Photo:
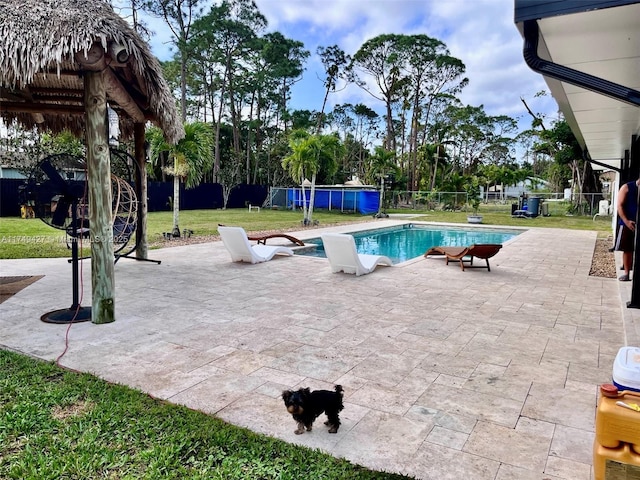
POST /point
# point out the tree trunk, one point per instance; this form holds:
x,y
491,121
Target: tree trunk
x,y
390,140
226,192
183,87
259,141
176,200
576,169
320,122
216,161
284,103
413,137
312,196
163,164
304,203
100,201
141,191
248,151
235,121
435,172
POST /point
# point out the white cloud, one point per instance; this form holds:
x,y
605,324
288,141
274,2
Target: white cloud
x,y
479,32
482,34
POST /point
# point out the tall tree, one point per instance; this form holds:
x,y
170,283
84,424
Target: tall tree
x,y
286,59
299,163
310,154
366,126
431,72
222,39
132,12
560,142
476,136
439,132
381,59
381,162
358,126
191,158
334,61
179,16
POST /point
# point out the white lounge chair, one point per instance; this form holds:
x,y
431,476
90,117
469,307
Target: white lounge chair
x,y
236,241
341,252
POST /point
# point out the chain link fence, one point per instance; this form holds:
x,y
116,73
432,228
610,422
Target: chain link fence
x,y
589,204
558,203
364,200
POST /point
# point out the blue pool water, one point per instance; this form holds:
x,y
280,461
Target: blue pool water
x,y
409,241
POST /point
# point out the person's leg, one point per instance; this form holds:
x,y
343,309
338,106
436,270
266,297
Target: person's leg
x,y
625,240
627,260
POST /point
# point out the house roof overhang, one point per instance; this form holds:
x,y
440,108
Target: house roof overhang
x,y
588,52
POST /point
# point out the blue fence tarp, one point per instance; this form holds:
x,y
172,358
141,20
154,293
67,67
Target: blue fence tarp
x,y
204,196
363,201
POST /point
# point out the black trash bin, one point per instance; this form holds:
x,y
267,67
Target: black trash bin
x,y
533,206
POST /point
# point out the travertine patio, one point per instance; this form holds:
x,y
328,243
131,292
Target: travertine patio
x,y
447,374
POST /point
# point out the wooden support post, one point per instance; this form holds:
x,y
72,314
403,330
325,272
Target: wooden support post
x,y
100,201
141,190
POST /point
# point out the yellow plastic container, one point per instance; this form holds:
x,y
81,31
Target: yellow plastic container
x,y
616,424
622,463
26,211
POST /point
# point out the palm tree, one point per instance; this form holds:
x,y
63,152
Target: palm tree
x,y
491,174
326,149
382,161
192,158
308,154
298,163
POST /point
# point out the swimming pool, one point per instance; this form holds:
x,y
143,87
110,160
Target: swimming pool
x,y
408,241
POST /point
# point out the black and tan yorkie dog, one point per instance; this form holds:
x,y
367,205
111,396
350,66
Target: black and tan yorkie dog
x,y
305,406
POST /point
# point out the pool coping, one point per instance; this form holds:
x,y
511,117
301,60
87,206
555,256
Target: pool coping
x,y
398,223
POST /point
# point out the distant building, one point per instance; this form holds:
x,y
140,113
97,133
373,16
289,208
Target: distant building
x,y
9,165
530,185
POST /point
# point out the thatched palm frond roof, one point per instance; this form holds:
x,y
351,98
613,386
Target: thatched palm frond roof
x,y
46,47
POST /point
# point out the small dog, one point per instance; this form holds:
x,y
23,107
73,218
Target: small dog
x,y
305,406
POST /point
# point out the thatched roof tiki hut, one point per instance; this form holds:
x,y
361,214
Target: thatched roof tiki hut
x,y
61,63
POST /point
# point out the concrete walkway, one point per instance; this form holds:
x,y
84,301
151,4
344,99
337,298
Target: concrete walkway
x,y
447,374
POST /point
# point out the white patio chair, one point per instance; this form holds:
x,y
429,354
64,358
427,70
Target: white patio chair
x,y
341,252
236,241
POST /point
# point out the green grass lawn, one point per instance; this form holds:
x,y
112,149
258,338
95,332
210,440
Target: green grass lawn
x,y
503,218
60,424
32,238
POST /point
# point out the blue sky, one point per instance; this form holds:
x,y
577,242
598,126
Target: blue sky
x,y
479,32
